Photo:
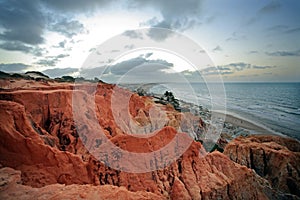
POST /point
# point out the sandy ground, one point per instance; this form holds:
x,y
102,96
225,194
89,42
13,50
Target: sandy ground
x,y
244,123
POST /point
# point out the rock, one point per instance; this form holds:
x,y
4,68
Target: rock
x,y
272,157
10,188
23,149
179,191
40,138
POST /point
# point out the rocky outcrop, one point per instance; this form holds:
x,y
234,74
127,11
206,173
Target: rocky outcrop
x,y
41,139
274,158
22,148
11,188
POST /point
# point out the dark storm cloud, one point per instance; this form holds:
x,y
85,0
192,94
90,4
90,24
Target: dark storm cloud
x,y
284,53
58,72
16,46
26,21
13,67
22,21
19,46
23,24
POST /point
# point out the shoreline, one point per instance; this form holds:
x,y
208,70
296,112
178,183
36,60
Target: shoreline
x,y
252,127
234,125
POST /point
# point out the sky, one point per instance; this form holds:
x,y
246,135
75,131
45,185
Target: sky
x,y
245,41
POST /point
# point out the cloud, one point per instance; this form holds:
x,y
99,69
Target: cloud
x,y
61,44
284,53
270,7
18,46
239,66
58,72
47,62
232,68
293,30
279,28
223,68
14,67
22,21
51,60
253,52
178,15
159,33
138,69
133,34
217,70
217,48
26,22
148,55
72,6
68,28
210,19
131,46
283,29
132,64
23,24
251,21
262,67
235,37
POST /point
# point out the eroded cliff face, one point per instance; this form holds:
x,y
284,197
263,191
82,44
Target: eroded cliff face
x,y
11,188
272,157
41,139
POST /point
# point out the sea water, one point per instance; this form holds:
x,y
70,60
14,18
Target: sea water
x,y
274,105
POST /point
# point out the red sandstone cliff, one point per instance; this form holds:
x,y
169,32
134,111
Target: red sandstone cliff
x,y
275,158
40,139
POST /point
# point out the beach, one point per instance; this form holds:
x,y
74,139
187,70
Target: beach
x,y
234,125
238,121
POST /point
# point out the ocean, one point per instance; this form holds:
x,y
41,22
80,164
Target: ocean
x,y
273,105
